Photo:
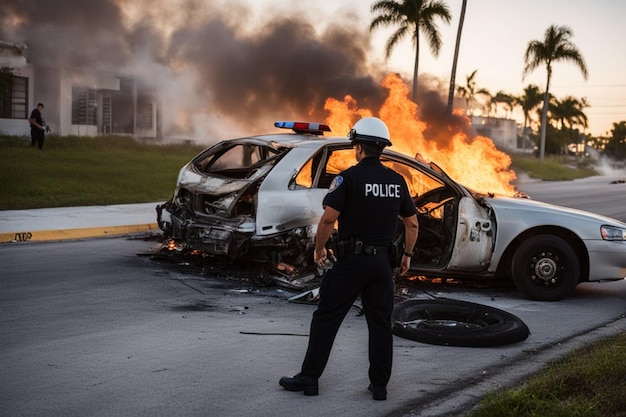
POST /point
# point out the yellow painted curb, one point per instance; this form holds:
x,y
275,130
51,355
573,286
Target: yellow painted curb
x,y
90,232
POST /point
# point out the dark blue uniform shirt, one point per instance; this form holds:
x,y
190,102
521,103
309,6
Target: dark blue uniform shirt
x,y
369,197
36,114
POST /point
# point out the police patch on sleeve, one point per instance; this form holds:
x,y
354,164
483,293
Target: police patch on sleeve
x,y
337,181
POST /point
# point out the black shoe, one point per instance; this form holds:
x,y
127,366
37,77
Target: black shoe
x,y
378,393
308,384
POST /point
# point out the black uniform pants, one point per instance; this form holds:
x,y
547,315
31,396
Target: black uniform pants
x,y
36,137
371,277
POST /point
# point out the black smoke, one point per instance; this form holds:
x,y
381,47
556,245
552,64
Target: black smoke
x,y
212,71
70,33
284,70
433,110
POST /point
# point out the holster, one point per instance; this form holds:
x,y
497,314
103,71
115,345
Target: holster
x,y
343,248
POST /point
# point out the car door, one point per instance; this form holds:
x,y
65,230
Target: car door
x,y
291,196
474,238
455,231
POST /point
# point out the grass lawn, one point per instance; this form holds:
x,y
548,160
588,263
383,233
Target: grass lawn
x,y
73,171
590,382
557,168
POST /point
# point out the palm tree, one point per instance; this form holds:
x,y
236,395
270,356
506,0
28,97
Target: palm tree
x,y
569,112
528,102
457,46
616,146
470,90
556,46
507,100
411,16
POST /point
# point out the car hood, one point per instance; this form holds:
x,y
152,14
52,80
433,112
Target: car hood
x,y
540,209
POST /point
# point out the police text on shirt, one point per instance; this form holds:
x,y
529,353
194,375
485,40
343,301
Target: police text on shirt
x,y
382,190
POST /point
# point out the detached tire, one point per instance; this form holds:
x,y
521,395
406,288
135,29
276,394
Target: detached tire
x,y
456,323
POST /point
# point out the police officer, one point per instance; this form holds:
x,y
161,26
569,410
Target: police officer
x,y
366,200
37,126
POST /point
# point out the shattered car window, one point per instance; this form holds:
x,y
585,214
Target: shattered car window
x,y
306,176
236,161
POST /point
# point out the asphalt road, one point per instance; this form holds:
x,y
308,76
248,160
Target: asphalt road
x,y
90,328
602,194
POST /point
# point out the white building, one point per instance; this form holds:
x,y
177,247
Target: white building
x,y
77,102
503,132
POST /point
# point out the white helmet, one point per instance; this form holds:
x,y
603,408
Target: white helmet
x,y
370,129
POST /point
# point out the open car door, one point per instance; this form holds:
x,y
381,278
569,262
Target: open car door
x,y
454,230
474,238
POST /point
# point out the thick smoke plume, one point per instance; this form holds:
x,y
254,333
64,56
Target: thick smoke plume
x,y
217,69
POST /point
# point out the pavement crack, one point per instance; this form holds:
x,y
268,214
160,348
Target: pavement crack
x,y
190,286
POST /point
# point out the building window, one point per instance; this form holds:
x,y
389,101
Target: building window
x,y
13,96
84,106
106,114
144,115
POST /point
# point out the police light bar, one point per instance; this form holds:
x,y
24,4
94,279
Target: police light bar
x,y
304,127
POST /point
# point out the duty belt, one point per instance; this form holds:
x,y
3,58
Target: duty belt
x,y
358,247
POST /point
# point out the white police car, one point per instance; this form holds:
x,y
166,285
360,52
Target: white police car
x,y
259,198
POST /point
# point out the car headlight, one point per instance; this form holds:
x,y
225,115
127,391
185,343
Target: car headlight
x,y
613,233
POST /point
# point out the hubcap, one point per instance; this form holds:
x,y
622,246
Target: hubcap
x,y
545,268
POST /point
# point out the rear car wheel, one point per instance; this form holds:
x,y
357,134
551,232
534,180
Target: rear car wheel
x,y
545,268
456,323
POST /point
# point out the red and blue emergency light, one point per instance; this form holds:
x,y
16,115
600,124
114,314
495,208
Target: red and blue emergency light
x,y
304,127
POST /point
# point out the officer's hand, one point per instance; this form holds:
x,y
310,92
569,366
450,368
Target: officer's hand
x,y
404,266
320,257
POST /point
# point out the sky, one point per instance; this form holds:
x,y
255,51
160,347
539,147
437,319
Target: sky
x,y
495,36
228,67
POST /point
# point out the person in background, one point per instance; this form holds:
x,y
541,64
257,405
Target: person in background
x,y
366,200
38,126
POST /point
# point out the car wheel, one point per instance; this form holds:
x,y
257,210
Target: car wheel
x,y
545,268
456,323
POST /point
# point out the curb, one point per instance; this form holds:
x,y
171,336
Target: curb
x,y
65,234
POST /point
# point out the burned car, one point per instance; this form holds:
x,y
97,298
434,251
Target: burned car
x,y
259,198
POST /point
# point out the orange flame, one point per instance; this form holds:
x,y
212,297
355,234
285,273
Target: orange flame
x,y
475,163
